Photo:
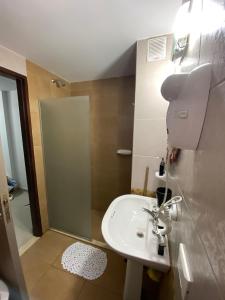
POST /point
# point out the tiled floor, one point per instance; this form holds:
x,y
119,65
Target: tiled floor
x,y
21,217
46,280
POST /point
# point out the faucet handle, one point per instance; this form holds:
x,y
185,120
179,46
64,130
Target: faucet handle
x,y
152,213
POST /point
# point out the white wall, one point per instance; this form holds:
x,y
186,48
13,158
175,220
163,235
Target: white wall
x,y
4,139
15,138
17,63
12,61
150,137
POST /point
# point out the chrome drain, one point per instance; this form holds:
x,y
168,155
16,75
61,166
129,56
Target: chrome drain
x,y
140,234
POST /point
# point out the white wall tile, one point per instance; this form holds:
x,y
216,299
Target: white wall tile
x,y
139,164
150,137
149,102
149,78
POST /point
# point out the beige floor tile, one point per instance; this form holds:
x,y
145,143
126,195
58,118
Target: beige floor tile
x,y
57,263
46,278
114,275
93,292
57,285
33,268
37,260
50,246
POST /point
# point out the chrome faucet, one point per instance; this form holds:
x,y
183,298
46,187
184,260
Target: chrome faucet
x,y
156,230
155,217
150,212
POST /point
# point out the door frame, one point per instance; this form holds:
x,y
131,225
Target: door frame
x,y
25,120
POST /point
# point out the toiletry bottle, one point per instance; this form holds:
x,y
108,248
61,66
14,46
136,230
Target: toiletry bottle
x,y
162,167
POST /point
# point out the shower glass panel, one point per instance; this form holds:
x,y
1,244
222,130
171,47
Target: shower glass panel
x,y
66,142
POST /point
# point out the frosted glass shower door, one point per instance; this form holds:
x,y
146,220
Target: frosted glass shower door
x,y
66,143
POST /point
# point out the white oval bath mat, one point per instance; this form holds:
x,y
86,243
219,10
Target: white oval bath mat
x,y
84,260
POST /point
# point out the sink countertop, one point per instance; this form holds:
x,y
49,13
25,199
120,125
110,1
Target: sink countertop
x,y
127,229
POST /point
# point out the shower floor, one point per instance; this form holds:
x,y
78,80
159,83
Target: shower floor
x,y
97,216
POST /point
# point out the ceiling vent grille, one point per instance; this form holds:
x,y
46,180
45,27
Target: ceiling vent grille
x,y
157,48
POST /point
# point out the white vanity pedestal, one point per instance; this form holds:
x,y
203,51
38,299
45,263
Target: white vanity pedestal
x,y
127,230
133,281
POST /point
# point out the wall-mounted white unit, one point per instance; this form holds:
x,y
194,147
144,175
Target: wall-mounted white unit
x,y
187,94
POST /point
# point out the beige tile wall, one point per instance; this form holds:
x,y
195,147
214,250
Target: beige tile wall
x,y
149,143
40,87
201,174
112,128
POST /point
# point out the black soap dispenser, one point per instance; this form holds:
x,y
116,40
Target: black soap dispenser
x,y
162,167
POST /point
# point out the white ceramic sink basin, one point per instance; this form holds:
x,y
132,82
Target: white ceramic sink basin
x,y
127,229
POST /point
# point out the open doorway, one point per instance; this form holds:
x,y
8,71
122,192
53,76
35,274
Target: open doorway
x,y
15,133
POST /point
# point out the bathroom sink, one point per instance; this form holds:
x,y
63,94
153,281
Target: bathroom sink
x,y
127,229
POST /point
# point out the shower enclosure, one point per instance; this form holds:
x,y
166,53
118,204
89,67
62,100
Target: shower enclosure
x,y
66,136
80,137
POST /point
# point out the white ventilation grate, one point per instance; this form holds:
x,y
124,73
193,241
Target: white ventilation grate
x,y
157,48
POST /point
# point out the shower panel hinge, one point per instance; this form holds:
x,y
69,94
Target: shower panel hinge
x,y
5,208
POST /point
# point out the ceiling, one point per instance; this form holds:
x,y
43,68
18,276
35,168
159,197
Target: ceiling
x,y
83,39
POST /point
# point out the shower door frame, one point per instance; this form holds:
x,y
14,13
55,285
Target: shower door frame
x,y
24,109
